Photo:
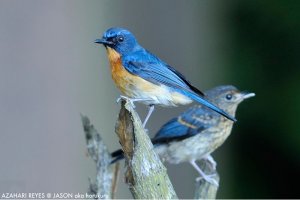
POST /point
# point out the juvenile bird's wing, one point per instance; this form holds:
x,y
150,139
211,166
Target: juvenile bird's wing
x,y
152,69
192,122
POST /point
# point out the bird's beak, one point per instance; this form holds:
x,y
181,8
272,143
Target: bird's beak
x,y
103,41
247,95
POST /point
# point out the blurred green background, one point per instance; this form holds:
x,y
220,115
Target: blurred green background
x,y
51,71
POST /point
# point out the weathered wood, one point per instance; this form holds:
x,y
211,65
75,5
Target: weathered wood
x,y
146,176
102,187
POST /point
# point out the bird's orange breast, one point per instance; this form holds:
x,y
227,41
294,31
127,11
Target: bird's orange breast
x,y
124,80
120,75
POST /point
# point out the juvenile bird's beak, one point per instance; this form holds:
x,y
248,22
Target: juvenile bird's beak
x,y
103,41
247,95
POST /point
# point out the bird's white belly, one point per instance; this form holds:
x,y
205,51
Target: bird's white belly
x,y
158,95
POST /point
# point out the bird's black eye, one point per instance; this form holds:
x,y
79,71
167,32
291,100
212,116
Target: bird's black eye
x,y
120,38
228,96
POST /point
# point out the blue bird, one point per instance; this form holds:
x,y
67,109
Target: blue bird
x,y
143,77
197,132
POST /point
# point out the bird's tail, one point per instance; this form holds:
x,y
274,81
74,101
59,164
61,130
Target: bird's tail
x,y
208,104
117,155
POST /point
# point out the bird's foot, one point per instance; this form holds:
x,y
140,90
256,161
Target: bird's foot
x,y
208,178
127,99
211,161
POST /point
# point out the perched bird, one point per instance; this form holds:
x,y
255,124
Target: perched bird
x,y
143,77
198,131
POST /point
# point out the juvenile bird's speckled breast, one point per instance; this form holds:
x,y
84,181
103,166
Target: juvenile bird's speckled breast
x,y
194,147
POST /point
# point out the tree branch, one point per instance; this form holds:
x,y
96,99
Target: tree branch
x,y
203,189
106,177
146,175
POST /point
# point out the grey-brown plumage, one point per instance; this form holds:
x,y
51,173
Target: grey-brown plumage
x,y
197,132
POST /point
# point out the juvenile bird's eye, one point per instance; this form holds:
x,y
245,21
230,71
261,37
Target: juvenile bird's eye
x,y
228,96
120,39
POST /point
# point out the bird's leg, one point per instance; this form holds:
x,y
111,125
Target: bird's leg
x,y
151,109
211,161
131,100
207,178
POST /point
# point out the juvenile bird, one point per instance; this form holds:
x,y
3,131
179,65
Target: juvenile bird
x,y
143,77
198,131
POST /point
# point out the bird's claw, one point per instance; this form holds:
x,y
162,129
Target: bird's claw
x,y
213,165
127,99
209,178
212,162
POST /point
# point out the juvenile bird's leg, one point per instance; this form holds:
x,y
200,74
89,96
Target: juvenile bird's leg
x,y
131,100
207,178
211,160
151,109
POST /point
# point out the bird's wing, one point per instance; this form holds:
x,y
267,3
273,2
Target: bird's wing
x,y
192,122
152,69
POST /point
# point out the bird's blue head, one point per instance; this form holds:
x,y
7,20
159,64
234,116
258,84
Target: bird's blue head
x,y
119,39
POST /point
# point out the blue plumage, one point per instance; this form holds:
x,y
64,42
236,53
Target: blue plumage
x,y
147,66
167,86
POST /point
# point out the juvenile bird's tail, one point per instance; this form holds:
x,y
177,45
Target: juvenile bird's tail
x,y
117,155
208,104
